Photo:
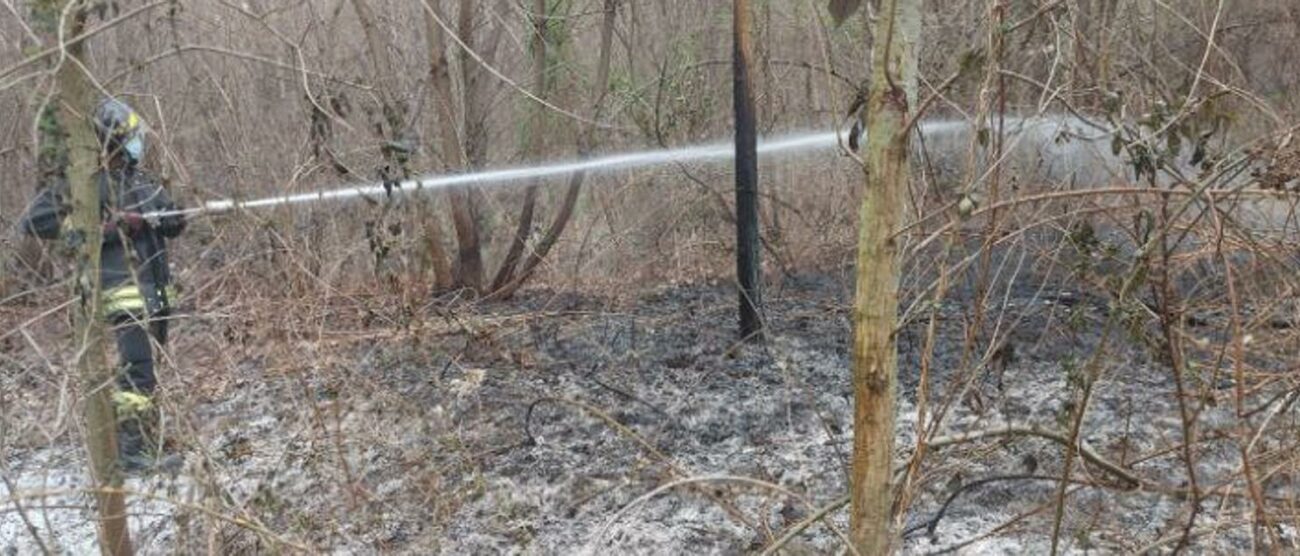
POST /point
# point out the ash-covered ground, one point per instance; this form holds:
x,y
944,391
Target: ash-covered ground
x,y
541,426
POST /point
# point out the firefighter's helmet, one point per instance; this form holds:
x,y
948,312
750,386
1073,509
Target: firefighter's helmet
x,y
119,129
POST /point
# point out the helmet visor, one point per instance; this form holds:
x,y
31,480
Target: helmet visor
x,y
134,147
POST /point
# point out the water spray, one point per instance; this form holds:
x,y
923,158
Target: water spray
x,y
1043,129
507,176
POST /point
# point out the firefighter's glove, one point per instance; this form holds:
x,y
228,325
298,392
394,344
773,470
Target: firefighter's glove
x,y
131,223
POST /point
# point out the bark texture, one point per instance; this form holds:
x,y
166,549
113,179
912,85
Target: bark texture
x,y
875,307
749,272
85,234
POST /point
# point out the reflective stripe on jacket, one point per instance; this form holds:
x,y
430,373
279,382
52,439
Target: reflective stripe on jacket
x,y
128,299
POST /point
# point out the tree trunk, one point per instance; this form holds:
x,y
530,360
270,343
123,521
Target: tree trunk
x,y
442,274
446,133
875,309
475,78
86,235
748,256
469,269
561,221
534,147
384,76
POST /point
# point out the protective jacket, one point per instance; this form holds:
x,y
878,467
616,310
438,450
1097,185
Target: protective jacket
x,y
134,273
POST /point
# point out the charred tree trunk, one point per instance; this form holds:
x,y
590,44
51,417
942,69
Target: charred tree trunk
x,y
748,255
875,308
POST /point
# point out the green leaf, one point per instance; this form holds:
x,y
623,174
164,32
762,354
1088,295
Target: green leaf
x,y
842,9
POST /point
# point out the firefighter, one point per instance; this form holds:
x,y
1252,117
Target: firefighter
x,y
135,277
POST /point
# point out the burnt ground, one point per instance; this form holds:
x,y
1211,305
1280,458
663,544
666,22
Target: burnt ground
x,y
526,428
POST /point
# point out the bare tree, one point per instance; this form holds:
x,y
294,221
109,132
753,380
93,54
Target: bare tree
x,y
452,152
600,90
749,264
76,96
536,131
889,109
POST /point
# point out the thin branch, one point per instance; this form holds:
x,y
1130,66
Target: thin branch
x,y
1033,430
233,54
506,79
70,41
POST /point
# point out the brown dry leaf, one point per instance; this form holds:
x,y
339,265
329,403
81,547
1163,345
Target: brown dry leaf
x,y
1283,171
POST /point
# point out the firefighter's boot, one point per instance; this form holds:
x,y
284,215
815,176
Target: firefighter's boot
x,y
139,439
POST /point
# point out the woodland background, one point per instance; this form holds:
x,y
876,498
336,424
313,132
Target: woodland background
x,y
348,310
